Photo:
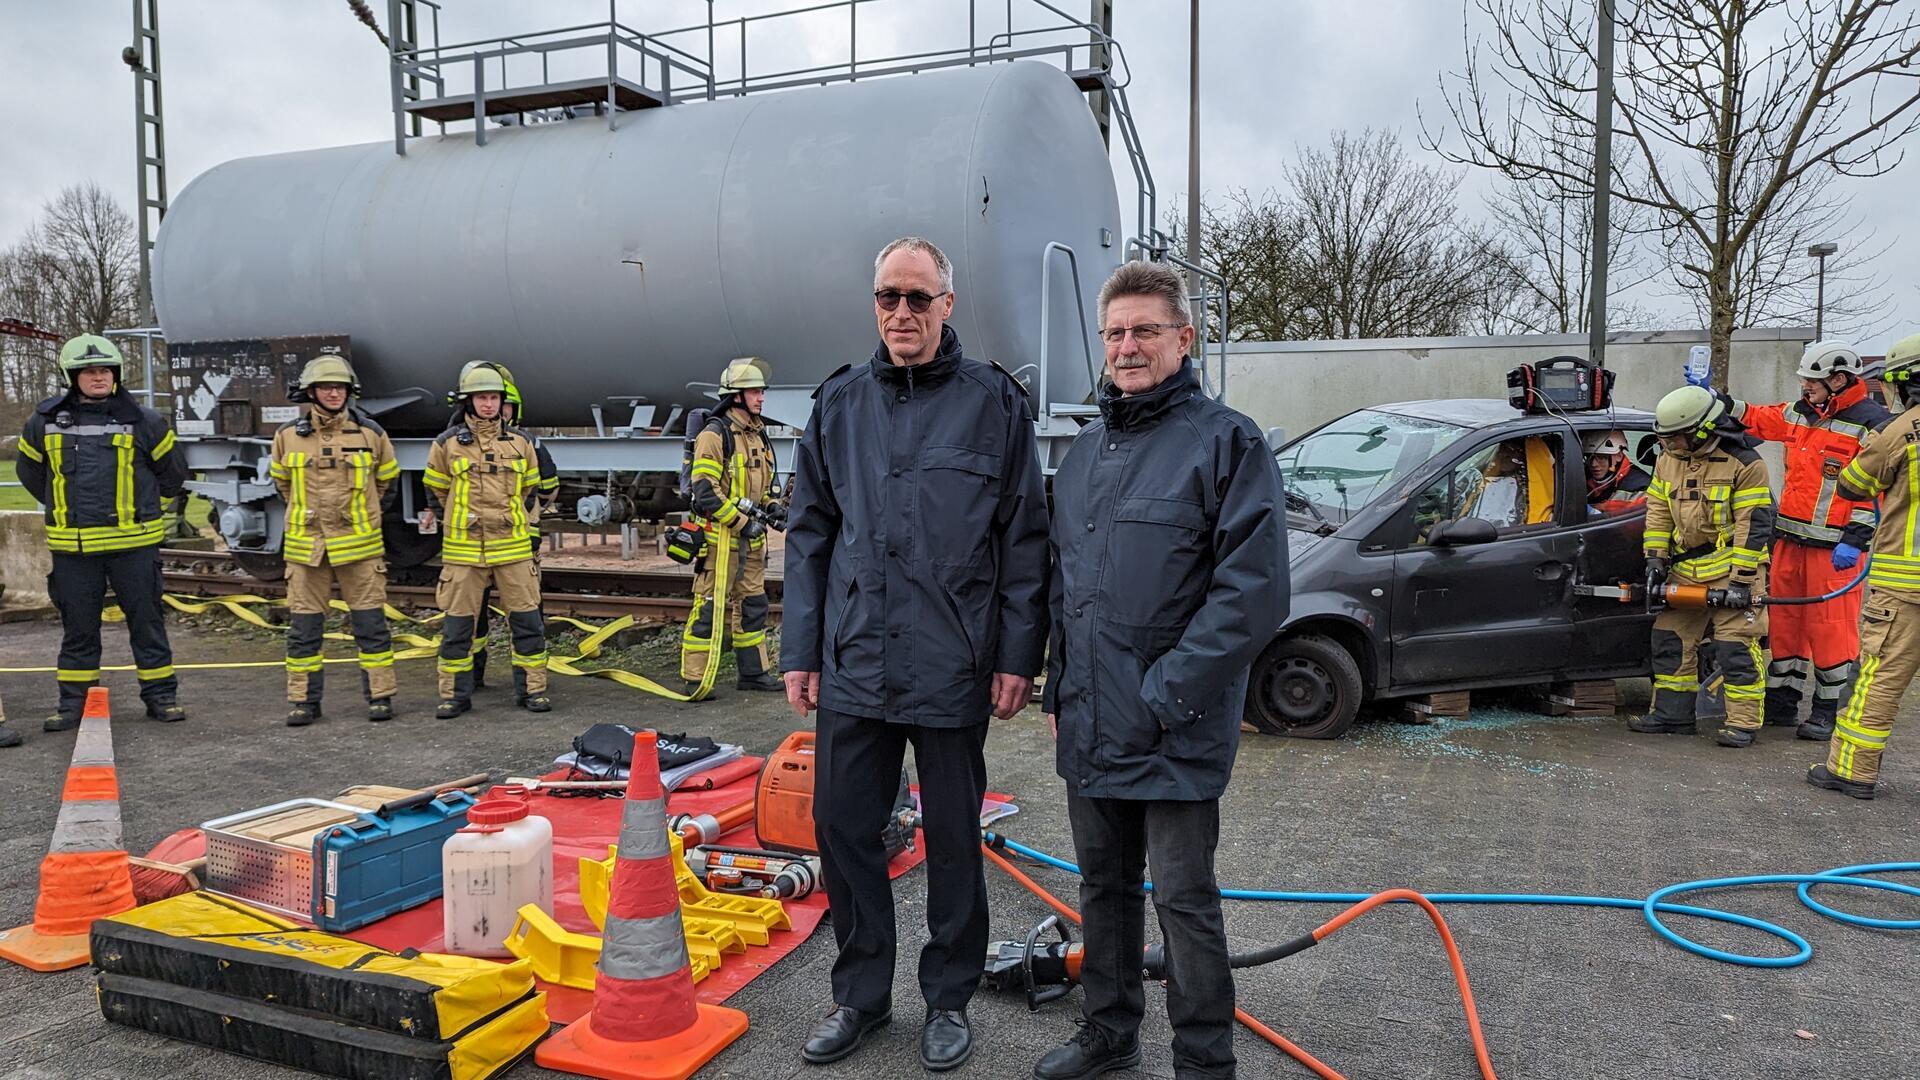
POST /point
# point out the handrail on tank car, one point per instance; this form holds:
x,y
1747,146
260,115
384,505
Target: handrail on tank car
x,y
1046,309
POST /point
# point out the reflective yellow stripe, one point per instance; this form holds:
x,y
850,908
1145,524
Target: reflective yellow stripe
x,y
379,659
163,447
296,524
462,497
389,470
706,467
749,639
362,464
56,469
123,479
1848,731
538,659
435,479
305,664
105,538
1913,495
150,674
76,674
457,664
1857,478
31,451
1676,682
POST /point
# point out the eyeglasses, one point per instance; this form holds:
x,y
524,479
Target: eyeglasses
x,y
1145,333
917,301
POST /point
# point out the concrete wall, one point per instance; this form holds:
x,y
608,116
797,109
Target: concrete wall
x,y
1299,385
24,561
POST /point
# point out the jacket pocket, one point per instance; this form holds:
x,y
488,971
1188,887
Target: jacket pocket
x,y
957,494
1158,562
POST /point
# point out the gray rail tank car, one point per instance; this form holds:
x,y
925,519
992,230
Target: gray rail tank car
x,y
637,260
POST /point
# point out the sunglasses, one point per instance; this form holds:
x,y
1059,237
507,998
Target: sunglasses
x,y
917,301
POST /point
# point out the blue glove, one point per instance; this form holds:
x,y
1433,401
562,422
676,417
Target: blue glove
x,y
1845,555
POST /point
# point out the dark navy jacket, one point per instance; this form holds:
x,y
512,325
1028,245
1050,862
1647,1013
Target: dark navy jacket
x,y
1170,576
916,562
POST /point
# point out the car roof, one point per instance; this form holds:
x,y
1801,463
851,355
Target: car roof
x,y
1495,412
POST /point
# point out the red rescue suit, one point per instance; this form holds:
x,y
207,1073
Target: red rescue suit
x,y
1815,644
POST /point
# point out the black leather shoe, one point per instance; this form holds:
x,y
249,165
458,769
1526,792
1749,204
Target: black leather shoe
x,y
947,1040
380,709
1653,725
60,722
302,713
1819,777
839,1034
451,708
8,736
1738,738
1086,1055
762,681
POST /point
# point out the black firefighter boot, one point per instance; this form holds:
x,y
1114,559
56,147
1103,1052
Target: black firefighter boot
x,y
8,736
1820,777
1818,726
753,674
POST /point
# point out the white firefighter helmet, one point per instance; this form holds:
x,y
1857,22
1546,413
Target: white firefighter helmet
x,y
1604,442
1824,358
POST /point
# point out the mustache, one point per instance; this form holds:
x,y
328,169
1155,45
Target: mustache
x,y
1130,362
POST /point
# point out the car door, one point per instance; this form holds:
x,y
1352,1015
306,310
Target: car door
x,y
1496,611
1609,636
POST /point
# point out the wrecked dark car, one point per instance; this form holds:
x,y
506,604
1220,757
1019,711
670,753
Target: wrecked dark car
x,y
1435,547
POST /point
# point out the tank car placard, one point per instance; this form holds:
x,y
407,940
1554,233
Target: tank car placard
x,y
240,387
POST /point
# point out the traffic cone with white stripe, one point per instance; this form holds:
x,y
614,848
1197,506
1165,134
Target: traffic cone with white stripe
x,y
85,875
645,1023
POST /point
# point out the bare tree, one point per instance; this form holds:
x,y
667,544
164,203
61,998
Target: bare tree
x,y
1385,251
1254,241
75,271
1729,110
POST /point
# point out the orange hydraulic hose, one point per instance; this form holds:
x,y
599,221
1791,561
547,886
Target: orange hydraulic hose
x,y
1319,1067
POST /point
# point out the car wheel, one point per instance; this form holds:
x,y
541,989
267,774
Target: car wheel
x,y
1307,686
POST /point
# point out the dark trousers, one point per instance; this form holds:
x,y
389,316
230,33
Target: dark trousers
x,y
1116,840
78,587
857,774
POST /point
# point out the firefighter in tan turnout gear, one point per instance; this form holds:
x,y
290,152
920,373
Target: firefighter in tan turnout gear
x,y
334,468
478,478
733,470
1709,522
1887,468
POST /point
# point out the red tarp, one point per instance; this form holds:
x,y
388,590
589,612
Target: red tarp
x,y
583,827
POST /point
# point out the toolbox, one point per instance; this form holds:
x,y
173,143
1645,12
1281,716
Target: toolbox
x,y
329,864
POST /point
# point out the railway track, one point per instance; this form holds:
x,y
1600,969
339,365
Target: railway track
x,y
580,592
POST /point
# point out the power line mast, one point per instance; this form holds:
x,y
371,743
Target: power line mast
x,y
143,56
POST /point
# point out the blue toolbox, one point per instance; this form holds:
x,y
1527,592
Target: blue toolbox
x,y
331,865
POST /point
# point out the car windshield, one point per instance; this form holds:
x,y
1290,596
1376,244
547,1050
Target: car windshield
x,y
1336,471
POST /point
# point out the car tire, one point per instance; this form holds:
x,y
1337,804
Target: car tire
x,y
1307,686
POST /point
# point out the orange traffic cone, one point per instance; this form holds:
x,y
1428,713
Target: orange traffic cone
x,y
85,875
645,1023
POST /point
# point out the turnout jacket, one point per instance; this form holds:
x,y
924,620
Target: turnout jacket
x,y
916,562
100,469
333,470
481,474
719,482
1711,510
1170,550
1888,467
1819,444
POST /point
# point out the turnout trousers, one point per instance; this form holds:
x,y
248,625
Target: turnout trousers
x,y
460,593
746,618
1813,646
1735,650
363,587
78,587
1889,657
857,776
1116,841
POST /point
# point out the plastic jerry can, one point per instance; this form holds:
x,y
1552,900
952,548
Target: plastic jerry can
x,y
501,861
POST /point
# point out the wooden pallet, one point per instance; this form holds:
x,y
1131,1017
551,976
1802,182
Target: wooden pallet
x,y
1427,708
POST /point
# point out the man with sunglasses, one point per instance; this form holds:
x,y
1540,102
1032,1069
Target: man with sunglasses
x,y
1170,575
916,571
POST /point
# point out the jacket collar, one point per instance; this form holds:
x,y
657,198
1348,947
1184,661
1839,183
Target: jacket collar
x,y
327,421
484,429
946,361
743,419
119,404
1146,409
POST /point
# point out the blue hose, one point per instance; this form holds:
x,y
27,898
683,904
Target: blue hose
x,y
1652,907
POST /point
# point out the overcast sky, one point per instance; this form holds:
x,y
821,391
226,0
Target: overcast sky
x,y
246,77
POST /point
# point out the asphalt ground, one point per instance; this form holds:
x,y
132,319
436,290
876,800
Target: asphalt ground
x,y
1501,801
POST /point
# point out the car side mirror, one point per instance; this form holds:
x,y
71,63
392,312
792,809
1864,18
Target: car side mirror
x,y
1462,531
1276,437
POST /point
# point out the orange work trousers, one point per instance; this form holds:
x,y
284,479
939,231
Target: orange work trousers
x,y
1814,646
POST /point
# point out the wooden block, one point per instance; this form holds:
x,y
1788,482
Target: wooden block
x,y
1424,709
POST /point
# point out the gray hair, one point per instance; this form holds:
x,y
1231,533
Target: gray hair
x,y
941,264
1139,278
